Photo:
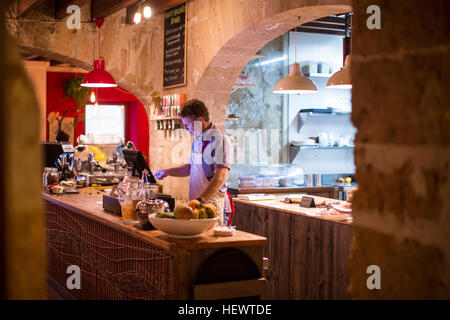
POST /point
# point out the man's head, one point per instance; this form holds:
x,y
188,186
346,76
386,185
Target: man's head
x,y
194,110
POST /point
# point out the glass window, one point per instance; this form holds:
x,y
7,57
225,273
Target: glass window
x,y
105,120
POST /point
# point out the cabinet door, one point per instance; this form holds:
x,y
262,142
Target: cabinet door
x,y
275,226
319,255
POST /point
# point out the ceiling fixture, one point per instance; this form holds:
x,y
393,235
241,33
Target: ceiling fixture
x,y
147,12
295,82
99,77
138,16
342,78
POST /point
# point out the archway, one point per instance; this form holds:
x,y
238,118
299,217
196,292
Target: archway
x,y
137,115
214,87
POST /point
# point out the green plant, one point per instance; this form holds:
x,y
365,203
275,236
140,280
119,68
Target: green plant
x,y
73,89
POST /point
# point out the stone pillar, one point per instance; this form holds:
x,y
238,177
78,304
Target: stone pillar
x,y
22,228
401,76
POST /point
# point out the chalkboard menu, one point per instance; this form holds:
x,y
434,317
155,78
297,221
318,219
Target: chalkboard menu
x,y
175,47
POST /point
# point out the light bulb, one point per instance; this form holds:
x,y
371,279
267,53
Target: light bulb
x,y
147,12
92,96
137,17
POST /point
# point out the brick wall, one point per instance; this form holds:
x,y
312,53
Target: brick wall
x,y
400,77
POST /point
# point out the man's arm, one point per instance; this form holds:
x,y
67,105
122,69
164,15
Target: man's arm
x,y
216,182
181,171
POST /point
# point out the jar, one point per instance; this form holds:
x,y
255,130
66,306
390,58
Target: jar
x,y
52,176
144,208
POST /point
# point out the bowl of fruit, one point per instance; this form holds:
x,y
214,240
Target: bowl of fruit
x,y
186,221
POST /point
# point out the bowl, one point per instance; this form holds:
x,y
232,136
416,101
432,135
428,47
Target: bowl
x,y
182,228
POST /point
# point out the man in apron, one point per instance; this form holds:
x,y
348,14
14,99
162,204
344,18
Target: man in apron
x,y
209,163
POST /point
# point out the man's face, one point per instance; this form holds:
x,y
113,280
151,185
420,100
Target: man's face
x,y
189,124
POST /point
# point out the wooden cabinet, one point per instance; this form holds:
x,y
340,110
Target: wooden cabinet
x,y
308,256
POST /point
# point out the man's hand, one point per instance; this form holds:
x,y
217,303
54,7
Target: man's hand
x,y
160,174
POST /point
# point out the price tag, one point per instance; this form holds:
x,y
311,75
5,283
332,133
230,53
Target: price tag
x,y
307,202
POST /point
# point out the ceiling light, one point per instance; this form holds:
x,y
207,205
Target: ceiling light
x,y
295,82
99,77
137,17
342,78
147,12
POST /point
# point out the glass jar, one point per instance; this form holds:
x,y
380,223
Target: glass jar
x,y
144,208
52,176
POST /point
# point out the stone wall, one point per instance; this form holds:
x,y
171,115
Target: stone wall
x,y
23,254
400,77
222,36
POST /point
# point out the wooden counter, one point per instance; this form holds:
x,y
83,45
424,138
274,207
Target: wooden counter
x,y
308,255
119,261
294,208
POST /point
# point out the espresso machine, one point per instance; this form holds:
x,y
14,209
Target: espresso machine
x,y
111,169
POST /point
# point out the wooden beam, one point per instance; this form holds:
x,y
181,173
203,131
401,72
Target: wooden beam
x,y
25,6
104,8
62,5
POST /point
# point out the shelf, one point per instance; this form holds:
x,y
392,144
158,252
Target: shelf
x,y
231,119
324,148
238,86
258,56
320,75
294,150
165,118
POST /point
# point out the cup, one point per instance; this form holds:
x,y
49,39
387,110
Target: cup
x,y
129,214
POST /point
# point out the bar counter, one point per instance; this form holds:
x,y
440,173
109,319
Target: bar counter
x,y
119,261
308,255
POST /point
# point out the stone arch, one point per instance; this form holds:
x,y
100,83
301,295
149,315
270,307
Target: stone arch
x,y
215,84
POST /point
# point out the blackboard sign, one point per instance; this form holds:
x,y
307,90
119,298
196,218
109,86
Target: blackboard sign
x,y
174,73
307,202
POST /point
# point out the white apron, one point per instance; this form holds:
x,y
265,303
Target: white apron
x,y
198,181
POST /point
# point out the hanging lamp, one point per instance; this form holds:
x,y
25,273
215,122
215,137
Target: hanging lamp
x,y
342,78
99,77
295,82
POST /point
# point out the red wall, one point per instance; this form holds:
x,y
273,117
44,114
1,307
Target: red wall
x,y
136,126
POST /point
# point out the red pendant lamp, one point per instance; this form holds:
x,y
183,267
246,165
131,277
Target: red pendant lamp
x,y
99,77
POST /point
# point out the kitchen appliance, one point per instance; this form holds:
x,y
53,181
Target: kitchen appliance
x,y
52,150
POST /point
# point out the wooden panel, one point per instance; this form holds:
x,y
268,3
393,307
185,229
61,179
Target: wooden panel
x,y
308,256
227,290
319,254
275,226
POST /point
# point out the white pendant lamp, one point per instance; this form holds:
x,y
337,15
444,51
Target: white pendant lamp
x,y
295,82
341,79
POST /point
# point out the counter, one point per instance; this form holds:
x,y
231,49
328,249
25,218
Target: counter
x,y
308,255
278,204
118,261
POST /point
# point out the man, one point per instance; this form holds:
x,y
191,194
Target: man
x,y
209,163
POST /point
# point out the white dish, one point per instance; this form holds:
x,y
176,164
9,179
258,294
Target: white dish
x,y
182,228
340,208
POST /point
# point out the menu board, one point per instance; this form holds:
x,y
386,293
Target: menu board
x,y
175,47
